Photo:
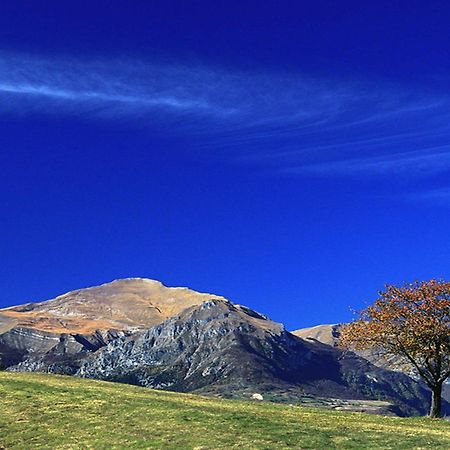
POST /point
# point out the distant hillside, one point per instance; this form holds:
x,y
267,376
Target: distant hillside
x,y
329,334
54,412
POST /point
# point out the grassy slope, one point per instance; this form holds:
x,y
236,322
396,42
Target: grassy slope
x,y
41,411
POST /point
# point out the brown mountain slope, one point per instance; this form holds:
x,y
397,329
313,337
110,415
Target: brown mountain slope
x,y
327,334
129,304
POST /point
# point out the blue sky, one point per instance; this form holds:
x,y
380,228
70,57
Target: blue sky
x,y
292,156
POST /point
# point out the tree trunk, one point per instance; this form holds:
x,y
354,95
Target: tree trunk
x,y
436,400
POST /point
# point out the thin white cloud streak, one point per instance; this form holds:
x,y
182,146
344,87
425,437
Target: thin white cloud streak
x,y
419,163
240,101
97,96
348,144
288,123
28,84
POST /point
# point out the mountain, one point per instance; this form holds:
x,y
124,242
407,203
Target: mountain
x,y
87,319
141,332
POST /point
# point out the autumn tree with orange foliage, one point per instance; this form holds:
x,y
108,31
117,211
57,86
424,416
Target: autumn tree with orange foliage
x,y
412,322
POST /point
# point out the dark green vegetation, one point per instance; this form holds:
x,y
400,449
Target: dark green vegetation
x,y
56,412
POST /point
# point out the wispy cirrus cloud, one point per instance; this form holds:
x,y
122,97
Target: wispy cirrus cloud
x,y
123,88
284,104
30,84
99,96
424,162
288,123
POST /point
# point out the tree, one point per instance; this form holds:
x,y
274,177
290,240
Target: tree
x,y
413,323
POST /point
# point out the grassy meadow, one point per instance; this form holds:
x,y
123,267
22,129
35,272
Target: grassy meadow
x,y
55,412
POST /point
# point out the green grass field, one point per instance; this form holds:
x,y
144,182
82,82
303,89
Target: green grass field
x,y
54,412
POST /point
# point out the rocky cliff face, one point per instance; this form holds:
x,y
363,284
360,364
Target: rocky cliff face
x,y
26,349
